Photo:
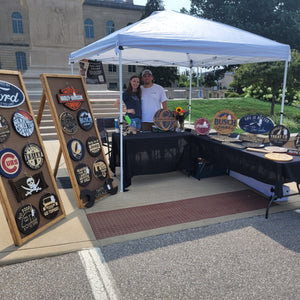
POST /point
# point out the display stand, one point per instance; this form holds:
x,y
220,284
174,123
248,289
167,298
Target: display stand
x,y
29,195
79,138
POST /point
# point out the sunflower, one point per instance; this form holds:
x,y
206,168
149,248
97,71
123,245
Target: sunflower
x,y
178,109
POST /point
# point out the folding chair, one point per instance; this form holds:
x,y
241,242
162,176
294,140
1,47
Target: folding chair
x,y
103,125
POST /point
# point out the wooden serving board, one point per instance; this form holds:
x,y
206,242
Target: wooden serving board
x,y
279,156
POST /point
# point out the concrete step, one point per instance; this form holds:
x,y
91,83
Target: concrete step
x,y
102,103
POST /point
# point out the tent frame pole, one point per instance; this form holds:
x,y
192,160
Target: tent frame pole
x,y
190,96
283,90
121,119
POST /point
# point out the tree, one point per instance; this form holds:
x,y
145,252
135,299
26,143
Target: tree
x,y
151,6
274,19
267,78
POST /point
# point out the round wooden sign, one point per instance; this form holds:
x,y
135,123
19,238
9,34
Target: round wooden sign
x,y
202,126
276,149
225,122
279,135
279,156
164,119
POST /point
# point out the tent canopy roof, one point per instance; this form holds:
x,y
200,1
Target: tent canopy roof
x,y
169,38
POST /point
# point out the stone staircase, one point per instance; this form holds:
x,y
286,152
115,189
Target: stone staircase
x,y
102,103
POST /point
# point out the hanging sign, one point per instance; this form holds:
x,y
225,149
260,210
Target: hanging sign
x,y
70,98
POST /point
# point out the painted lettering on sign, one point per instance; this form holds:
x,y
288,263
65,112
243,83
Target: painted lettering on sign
x,y
70,98
10,95
256,124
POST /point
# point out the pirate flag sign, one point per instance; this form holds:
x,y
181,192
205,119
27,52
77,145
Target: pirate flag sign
x,y
27,186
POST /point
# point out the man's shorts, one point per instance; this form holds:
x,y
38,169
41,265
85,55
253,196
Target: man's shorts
x,y
136,123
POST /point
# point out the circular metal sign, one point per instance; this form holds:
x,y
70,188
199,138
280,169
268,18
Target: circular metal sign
x,y
23,123
33,156
100,169
27,218
10,163
49,206
93,146
164,119
279,135
225,122
4,129
68,123
76,149
83,174
85,119
202,126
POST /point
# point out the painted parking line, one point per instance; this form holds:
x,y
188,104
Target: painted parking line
x,y
99,275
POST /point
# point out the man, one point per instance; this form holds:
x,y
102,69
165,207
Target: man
x,y
153,99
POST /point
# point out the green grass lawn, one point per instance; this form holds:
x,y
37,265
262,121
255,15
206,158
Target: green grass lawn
x,y
240,107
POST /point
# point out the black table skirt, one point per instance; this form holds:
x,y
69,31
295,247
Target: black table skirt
x,y
251,164
152,153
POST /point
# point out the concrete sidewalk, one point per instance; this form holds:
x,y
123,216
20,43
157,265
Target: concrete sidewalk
x,y
75,233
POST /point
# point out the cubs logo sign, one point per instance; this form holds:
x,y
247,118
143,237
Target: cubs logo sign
x,y
70,98
10,163
10,95
164,119
225,122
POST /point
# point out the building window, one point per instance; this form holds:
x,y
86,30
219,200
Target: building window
x,y
17,22
112,68
131,69
89,28
21,61
113,86
110,27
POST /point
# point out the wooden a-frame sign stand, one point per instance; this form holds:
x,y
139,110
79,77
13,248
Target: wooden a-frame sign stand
x,y
87,165
28,191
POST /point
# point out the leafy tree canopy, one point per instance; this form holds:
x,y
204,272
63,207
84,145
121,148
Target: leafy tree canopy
x,y
274,19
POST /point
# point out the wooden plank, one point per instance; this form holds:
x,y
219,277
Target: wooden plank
x,y
53,84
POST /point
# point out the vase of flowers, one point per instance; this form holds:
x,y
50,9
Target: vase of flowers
x,y
180,115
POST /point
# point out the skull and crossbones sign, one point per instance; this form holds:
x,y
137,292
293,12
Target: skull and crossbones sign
x,y
31,186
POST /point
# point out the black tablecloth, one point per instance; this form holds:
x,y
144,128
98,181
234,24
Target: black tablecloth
x,y
152,153
252,164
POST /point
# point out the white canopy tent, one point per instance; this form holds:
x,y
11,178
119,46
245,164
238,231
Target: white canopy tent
x,y
169,38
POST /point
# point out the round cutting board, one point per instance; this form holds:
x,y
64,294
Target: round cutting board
x,y
279,156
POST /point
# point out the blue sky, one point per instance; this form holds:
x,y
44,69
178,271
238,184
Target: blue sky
x,y
169,4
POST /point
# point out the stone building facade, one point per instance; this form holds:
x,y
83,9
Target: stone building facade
x,y
38,36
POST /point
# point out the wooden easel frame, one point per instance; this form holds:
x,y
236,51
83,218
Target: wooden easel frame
x,y
7,197
52,83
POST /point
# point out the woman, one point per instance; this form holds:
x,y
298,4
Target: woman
x,y
132,99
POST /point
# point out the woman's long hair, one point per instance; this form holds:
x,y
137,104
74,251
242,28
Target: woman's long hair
x,y
129,88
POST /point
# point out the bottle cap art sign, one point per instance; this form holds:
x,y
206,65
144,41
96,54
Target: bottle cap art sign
x,y
202,126
256,124
164,119
10,95
225,122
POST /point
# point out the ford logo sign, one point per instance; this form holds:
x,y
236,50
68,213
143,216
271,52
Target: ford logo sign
x,y
10,95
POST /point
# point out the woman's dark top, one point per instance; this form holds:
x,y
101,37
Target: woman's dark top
x,y
133,102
